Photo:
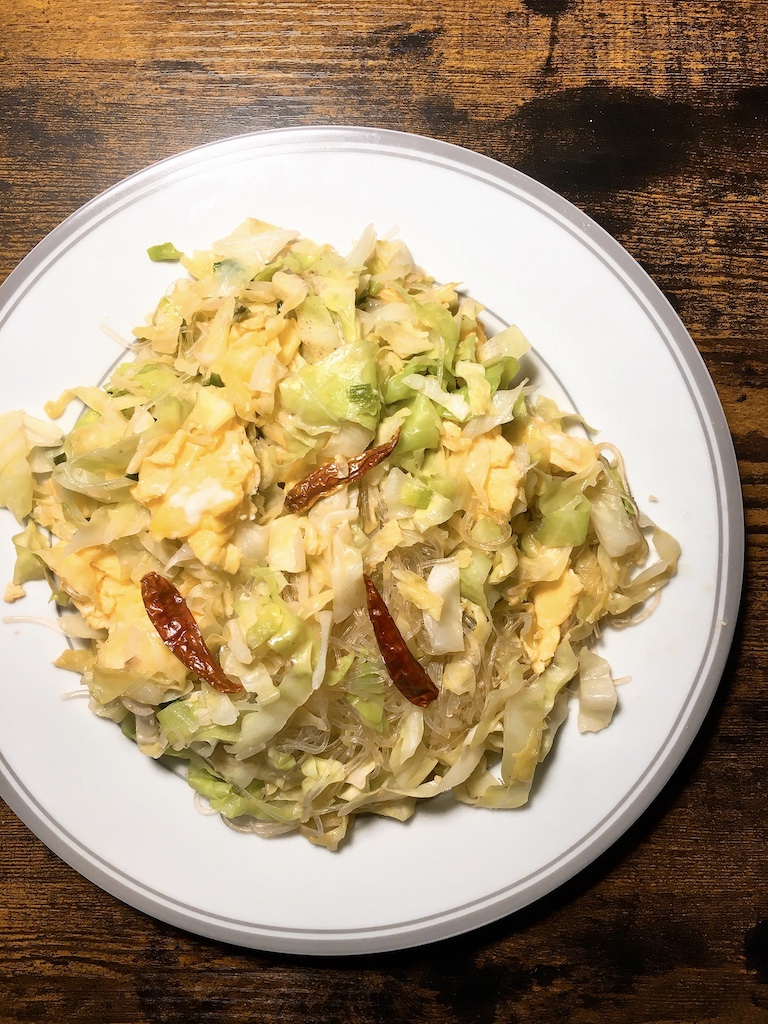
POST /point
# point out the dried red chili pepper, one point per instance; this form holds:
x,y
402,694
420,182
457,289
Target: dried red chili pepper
x,y
169,614
405,671
330,478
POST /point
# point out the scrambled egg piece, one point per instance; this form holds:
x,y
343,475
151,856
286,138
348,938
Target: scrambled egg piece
x,y
109,599
553,603
94,579
490,466
135,645
196,485
561,450
415,590
254,363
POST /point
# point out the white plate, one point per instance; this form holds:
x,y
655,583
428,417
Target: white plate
x,y
630,368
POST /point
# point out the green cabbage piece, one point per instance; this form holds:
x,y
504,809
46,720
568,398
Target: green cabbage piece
x,y
233,802
29,566
165,251
184,720
258,727
420,430
441,321
326,393
565,514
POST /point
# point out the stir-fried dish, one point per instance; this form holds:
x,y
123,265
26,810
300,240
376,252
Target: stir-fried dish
x,y
314,542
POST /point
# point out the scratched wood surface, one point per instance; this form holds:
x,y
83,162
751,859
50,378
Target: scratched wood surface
x,y
652,116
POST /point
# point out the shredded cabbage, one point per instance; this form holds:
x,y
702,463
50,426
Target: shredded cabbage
x,y
502,542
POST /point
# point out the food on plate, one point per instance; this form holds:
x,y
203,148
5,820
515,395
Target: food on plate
x,y
318,542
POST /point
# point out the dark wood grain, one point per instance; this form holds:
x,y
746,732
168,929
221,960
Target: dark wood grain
x,y
652,116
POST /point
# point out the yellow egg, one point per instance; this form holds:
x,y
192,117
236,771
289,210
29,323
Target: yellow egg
x,y
135,645
556,448
553,603
197,487
490,466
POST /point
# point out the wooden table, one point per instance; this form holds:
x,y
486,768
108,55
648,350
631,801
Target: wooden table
x,y
652,116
